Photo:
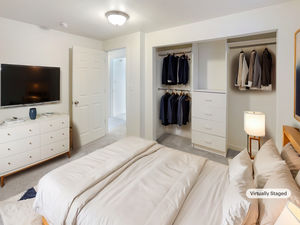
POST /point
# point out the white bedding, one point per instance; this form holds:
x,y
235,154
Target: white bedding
x,y
134,181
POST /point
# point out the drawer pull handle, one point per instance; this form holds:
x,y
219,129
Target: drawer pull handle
x,y
51,137
208,128
8,149
29,129
208,114
8,134
50,125
30,156
51,149
208,100
63,133
62,122
9,163
30,143
63,145
208,142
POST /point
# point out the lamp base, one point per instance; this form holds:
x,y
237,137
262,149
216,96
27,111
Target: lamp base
x,y
250,144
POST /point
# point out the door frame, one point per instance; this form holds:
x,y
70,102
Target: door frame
x,y
111,84
108,83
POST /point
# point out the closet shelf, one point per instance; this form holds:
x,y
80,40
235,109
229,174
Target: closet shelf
x,y
210,91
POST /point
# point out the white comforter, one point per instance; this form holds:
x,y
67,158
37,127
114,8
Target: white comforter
x,y
133,181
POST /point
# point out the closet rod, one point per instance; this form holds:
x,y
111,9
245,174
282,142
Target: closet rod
x,y
173,89
165,54
254,45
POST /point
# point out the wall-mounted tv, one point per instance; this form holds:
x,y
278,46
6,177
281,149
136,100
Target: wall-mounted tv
x,y
27,85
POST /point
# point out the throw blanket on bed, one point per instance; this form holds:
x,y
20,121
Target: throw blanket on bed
x,y
132,181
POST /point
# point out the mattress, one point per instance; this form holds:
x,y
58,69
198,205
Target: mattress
x,y
134,181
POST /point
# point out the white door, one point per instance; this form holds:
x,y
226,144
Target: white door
x,y
119,86
88,108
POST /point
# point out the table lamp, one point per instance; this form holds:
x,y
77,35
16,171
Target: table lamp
x,y
290,215
254,125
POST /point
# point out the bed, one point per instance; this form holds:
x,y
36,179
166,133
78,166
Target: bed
x,y
133,181
138,181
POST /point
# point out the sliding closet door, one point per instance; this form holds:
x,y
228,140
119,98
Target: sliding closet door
x,y
88,106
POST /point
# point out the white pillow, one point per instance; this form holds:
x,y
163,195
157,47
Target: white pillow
x,y
297,179
291,157
271,208
237,207
239,163
265,162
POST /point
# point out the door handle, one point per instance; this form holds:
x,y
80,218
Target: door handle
x,y
76,102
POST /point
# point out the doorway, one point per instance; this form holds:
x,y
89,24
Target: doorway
x,y
117,106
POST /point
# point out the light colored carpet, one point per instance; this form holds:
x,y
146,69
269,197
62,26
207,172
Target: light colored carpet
x,y
19,212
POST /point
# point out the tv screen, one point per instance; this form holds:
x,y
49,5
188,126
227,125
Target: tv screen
x,y
22,85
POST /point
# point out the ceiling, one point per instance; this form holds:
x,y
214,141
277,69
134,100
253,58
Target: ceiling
x,y
87,17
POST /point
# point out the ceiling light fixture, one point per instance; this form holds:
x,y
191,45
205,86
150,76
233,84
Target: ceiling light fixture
x,y
117,18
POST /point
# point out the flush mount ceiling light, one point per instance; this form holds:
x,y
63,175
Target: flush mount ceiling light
x,y
117,18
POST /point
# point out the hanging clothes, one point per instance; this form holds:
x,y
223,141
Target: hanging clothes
x,y
163,114
172,70
256,74
249,79
266,65
165,70
181,72
180,110
186,71
174,109
242,72
186,110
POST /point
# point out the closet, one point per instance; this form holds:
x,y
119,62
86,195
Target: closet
x,y
160,89
217,105
262,100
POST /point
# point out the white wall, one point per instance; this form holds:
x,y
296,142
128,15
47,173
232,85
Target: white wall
x,y
134,73
26,44
283,17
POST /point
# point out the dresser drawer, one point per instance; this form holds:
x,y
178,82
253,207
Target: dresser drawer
x,y
209,127
19,146
210,141
209,113
54,149
18,132
209,99
20,160
54,136
55,124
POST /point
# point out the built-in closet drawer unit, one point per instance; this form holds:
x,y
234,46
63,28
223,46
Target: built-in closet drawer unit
x,y
210,99
209,141
54,149
54,124
209,113
15,147
54,136
209,127
15,133
20,160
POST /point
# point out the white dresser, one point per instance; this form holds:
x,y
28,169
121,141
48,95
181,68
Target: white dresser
x,y
209,122
28,143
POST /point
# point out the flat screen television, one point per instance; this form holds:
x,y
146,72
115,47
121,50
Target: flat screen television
x,y
27,85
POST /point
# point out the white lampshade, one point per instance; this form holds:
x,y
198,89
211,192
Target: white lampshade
x,y
254,123
117,17
290,215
